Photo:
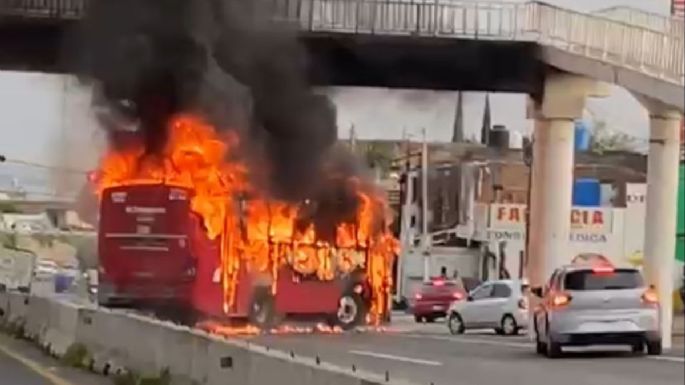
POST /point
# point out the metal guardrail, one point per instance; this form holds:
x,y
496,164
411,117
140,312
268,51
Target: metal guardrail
x,y
667,24
48,9
651,52
655,53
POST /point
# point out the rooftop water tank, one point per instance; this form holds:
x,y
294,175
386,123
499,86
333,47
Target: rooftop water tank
x,y
515,140
586,192
582,136
499,137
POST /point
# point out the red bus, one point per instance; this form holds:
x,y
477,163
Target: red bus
x,y
155,253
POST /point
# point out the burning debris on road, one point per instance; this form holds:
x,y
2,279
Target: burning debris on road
x,y
210,96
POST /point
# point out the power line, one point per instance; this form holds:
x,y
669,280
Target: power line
x,y
4,159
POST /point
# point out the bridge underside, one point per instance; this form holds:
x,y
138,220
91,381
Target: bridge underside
x,y
425,62
338,59
35,46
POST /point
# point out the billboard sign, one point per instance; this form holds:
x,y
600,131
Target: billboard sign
x,y
586,219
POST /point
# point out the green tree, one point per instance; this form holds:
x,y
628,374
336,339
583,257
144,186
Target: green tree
x,y
379,155
605,139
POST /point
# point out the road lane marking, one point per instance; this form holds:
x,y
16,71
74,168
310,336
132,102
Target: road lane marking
x,y
668,358
520,345
35,367
396,358
471,341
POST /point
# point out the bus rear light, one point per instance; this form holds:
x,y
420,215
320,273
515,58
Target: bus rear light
x,y
177,195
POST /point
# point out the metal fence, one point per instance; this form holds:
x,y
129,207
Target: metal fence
x,y
653,52
644,49
62,9
667,24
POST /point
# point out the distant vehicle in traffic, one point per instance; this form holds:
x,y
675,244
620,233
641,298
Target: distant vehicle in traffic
x,y
45,268
596,305
501,305
433,299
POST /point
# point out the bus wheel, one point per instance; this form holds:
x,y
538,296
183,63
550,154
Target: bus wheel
x,y
351,311
262,312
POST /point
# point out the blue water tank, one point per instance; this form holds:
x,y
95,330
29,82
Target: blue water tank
x,y
586,192
582,136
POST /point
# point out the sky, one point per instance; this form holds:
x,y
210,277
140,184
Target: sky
x,y
46,119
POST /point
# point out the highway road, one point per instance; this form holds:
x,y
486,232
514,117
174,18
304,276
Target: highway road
x,y
23,364
14,372
427,354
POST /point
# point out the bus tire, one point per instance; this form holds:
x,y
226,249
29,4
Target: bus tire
x,y
351,311
262,309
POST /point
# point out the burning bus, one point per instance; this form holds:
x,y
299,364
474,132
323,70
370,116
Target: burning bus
x,y
187,228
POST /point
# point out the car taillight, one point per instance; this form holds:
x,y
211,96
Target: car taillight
x,y
560,299
457,295
418,296
650,297
523,304
603,270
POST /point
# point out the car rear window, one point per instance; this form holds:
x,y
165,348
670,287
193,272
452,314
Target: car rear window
x,y
616,280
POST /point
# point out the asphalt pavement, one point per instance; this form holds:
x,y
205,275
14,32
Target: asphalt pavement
x,y
428,354
21,363
13,372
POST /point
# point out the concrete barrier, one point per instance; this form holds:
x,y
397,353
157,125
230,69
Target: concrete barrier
x,y
120,339
37,318
18,308
62,326
4,307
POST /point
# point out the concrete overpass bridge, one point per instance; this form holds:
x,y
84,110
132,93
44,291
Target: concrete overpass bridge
x,y
436,44
558,56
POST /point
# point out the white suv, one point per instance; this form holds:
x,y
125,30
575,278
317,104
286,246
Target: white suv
x,y
596,305
501,305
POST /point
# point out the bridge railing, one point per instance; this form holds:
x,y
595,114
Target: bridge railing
x,y
52,9
668,24
653,52
647,50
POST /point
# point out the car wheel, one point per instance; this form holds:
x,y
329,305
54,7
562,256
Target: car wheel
x,y
418,318
456,324
430,320
540,347
508,325
553,348
654,348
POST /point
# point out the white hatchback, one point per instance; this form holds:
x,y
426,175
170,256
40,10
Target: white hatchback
x,y
501,305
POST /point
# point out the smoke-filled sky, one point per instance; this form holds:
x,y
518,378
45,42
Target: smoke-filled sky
x,y
42,114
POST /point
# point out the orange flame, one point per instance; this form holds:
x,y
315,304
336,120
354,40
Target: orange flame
x,y
195,157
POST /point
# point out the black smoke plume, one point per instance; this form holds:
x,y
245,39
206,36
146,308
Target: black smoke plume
x,y
231,62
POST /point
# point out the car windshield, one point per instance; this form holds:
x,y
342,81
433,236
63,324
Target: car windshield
x,y
615,280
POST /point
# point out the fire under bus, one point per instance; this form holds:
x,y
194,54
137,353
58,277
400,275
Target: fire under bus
x,y
170,245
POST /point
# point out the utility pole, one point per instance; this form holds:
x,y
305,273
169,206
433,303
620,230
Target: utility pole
x,y
425,237
353,138
405,220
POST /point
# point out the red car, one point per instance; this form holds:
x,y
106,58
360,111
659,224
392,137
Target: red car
x,y
434,298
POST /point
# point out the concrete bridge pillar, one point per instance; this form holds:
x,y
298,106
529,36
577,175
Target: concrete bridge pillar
x,y
662,207
552,171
